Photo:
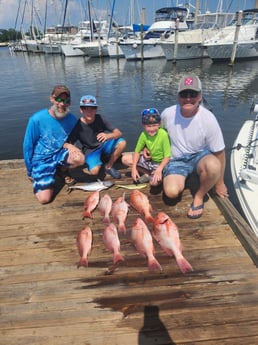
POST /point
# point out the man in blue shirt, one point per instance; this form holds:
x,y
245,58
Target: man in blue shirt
x,y
44,147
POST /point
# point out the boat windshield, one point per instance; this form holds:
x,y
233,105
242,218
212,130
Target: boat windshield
x,y
171,13
156,34
249,17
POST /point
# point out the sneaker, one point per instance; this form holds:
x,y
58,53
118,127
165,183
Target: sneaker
x,y
113,172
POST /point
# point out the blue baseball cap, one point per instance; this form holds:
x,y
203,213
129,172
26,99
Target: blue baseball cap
x,y
150,116
88,101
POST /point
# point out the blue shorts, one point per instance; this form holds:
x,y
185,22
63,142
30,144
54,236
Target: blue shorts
x,y
184,165
93,159
43,171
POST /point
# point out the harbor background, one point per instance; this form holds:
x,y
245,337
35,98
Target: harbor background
x,y
123,89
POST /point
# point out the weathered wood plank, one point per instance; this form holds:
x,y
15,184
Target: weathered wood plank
x,y
46,300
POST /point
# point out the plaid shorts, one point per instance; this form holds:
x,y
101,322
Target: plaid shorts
x,y
184,165
147,164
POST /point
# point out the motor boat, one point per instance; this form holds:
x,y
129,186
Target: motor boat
x,y
244,168
242,37
167,19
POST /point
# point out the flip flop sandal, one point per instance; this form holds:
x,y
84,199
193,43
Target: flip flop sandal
x,y
69,181
196,208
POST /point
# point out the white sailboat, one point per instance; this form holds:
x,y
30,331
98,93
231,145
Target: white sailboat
x,y
96,46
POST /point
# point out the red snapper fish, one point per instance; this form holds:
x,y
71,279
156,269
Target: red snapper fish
x,y
90,204
84,243
143,242
119,212
105,205
140,203
112,243
166,234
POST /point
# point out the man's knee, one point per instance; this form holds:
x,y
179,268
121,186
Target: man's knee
x,y
77,159
45,196
95,170
171,191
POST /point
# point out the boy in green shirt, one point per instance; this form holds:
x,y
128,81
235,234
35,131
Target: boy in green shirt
x,y
156,140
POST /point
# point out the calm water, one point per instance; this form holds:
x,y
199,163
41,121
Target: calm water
x,y
122,89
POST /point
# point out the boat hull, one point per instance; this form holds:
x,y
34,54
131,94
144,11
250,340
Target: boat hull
x,y
184,51
137,50
224,51
244,162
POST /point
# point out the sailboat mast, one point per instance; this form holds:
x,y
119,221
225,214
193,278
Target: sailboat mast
x,y
90,19
65,10
111,19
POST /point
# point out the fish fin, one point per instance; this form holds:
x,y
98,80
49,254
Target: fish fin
x,y
118,258
83,262
154,265
184,265
106,219
122,228
101,182
86,214
149,218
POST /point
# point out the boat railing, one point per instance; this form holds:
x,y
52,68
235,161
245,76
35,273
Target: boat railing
x,y
249,171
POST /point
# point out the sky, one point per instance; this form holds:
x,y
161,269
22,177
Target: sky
x,y
77,10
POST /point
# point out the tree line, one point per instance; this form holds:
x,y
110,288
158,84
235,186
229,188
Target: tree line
x,y
9,35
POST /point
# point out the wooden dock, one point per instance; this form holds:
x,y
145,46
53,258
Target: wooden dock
x,y
46,300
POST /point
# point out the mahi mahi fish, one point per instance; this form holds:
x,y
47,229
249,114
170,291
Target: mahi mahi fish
x,y
92,186
132,186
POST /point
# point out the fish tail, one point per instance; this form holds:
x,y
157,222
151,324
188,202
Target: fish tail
x,y
154,265
86,214
184,265
149,218
83,262
106,219
117,258
122,228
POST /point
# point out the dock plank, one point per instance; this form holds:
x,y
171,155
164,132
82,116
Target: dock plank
x,y
45,299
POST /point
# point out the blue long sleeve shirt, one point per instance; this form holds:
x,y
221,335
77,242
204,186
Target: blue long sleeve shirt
x,y
45,136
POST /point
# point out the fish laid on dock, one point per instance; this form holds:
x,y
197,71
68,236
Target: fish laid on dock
x,y
92,186
84,243
132,186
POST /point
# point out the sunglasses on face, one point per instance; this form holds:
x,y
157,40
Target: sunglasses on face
x,y
62,100
188,93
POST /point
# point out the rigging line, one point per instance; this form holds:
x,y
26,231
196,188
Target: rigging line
x,y
240,146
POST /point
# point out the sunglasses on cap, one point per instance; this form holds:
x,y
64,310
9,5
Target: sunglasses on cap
x,y
188,93
62,100
89,101
151,111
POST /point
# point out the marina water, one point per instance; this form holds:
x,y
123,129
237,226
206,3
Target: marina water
x,y
123,89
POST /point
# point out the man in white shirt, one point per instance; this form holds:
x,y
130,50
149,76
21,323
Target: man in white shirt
x,y
198,146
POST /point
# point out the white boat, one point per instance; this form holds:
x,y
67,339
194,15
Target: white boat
x,y
244,169
90,35
114,50
242,37
68,49
183,45
164,24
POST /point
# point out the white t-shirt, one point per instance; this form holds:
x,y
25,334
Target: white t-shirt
x,y
194,134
